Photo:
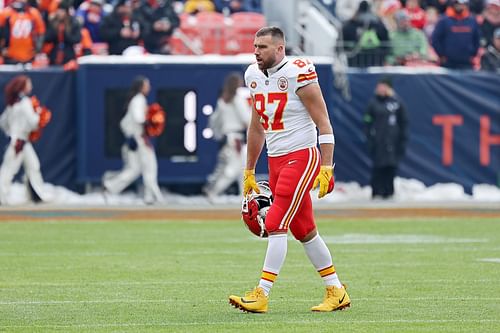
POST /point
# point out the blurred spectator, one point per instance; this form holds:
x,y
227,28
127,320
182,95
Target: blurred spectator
x,y
490,61
164,21
90,15
386,12
46,8
196,6
440,5
121,28
416,14
408,43
228,7
142,11
22,30
346,9
229,123
491,21
366,39
63,33
386,135
456,37
431,19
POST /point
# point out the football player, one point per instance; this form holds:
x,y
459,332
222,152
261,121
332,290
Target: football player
x,y
288,106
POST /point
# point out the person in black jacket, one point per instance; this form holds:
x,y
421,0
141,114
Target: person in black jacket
x,y
163,21
63,32
122,28
386,133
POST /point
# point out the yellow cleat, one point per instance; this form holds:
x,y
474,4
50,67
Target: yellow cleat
x,y
254,301
335,299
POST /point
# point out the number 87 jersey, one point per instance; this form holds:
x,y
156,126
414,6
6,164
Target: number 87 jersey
x,y
286,122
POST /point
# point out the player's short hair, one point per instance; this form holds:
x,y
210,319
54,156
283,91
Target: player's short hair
x,y
275,32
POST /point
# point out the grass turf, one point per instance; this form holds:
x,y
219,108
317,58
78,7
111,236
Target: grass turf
x,y
404,275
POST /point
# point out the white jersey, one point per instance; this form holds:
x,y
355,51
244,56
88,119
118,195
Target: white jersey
x,y
286,121
132,123
20,119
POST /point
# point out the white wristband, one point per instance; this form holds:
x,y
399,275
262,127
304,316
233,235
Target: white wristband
x,y
326,138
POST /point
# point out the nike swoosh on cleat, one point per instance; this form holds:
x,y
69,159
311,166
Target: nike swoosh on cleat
x,y
246,302
342,299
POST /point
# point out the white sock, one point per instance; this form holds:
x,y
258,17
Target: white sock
x,y
320,256
275,257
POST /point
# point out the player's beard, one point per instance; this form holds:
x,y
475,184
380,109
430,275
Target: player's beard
x,y
267,64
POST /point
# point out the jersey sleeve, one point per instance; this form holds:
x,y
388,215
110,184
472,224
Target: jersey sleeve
x,y
305,73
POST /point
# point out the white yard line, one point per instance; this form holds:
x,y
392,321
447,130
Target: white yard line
x,y
494,260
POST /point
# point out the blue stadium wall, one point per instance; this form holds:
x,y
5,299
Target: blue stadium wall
x,y
454,122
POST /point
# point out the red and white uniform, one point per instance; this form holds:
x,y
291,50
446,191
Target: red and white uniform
x,y
291,140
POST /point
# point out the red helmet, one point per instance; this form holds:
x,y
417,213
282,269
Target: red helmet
x,y
254,209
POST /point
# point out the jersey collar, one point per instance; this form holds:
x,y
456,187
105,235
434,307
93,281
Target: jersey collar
x,y
272,70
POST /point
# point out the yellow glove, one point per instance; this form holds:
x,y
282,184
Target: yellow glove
x,y
325,180
249,183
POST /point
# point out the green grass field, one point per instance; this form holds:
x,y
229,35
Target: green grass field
x,y
404,275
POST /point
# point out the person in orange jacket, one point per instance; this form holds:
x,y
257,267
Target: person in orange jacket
x,y
22,29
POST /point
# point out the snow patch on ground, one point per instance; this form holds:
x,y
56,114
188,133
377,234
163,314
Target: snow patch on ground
x,y
406,191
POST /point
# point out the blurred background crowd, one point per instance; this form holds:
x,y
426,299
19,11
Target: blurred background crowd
x,y
459,34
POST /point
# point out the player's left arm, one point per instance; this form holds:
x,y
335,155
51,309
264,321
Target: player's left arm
x,y
313,100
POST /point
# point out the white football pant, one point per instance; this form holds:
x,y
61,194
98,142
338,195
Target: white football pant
x,y
12,162
141,161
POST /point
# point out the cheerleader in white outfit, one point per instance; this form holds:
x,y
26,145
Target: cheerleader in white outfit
x,y
138,152
18,120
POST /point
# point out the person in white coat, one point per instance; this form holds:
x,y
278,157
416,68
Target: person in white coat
x,y
229,123
18,120
138,152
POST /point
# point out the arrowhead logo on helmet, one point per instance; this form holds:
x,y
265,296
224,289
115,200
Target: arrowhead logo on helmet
x,y
254,209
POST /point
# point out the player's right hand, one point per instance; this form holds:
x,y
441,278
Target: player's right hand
x,y
249,183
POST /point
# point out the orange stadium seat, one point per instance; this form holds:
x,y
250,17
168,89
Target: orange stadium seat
x,y
189,29
245,25
212,30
